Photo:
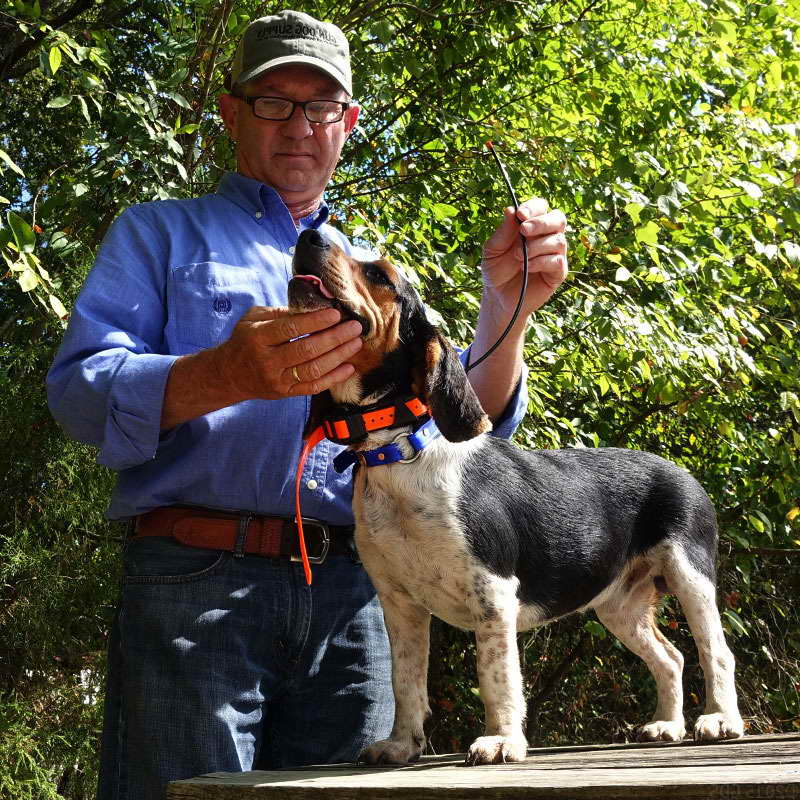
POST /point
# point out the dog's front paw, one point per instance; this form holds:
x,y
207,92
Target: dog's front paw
x,y
661,731
496,750
390,751
711,727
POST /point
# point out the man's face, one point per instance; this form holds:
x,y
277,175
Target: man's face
x,y
294,156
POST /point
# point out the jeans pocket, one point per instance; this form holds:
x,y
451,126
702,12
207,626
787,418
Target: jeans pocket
x,y
160,559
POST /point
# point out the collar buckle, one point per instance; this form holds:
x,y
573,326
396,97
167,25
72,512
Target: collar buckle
x,y
417,450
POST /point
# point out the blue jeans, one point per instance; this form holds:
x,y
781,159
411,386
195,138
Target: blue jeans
x,y
225,663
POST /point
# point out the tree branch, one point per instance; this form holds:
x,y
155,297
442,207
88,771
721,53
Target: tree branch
x,y
31,43
534,705
219,28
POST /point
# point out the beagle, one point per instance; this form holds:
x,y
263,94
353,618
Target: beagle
x,y
494,539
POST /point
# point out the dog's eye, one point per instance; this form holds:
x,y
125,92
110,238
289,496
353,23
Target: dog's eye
x,y
375,274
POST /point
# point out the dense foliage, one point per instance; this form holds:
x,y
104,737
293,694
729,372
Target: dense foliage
x,y
667,133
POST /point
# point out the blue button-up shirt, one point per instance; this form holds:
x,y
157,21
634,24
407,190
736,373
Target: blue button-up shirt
x,y
171,278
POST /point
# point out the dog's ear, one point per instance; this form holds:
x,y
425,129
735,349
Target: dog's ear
x,y
320,406
440,381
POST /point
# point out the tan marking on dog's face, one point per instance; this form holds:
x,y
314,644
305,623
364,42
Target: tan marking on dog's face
x,y
368,290
379,304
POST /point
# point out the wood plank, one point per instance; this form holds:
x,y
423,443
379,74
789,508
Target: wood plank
x,y
692,755
746,740
622,746
756,767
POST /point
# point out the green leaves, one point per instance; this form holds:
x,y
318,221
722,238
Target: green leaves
x,y
443,211
6,159
792,251
54,59
17,251
595,629
634,209
622,274
60,102
648,233
28,280
735,622
179,99
23,233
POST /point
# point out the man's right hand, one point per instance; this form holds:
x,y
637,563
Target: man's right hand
x,y
266,357
272,353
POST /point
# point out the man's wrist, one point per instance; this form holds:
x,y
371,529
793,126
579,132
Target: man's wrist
x,y
498,310
227,375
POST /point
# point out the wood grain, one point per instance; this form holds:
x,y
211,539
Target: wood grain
x,y
758,767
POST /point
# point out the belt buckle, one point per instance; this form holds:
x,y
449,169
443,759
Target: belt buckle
x,y
309,523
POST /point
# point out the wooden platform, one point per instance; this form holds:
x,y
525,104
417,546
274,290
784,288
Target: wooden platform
x,y
753,767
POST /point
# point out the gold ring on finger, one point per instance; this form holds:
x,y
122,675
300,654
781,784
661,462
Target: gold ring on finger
x,y
296,376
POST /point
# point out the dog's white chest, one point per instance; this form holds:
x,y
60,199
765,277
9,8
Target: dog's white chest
x,y
409,538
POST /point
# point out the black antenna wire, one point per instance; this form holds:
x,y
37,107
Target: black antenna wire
x,y
514,316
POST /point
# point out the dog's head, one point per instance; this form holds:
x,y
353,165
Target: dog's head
x,y
402,353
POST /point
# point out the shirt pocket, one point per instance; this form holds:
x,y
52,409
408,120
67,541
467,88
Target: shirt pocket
x,y
206,300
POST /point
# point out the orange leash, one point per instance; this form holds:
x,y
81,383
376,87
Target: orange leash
x,y
308,445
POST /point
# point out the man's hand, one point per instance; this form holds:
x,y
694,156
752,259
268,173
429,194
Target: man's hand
x,y
266,358
495,379
272,353
547,256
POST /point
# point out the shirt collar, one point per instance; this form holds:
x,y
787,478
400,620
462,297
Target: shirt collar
x,y
258,199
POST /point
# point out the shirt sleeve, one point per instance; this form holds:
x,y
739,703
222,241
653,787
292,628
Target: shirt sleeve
x,y
106,385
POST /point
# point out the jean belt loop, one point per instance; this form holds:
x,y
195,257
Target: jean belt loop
x,y
241,537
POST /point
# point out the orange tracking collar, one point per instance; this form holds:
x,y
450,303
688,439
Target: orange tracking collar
x,y
348,430
355,427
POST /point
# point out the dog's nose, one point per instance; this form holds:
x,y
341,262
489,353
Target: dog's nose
x,y
312,238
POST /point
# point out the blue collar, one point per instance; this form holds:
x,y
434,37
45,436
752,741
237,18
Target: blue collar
x,y
390,453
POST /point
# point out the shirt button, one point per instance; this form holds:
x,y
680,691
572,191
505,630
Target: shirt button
x,y
291,250
258,215
312,484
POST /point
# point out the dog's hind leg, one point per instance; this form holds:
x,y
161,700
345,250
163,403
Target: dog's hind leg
x,y
408,625
629,615
697,596
495,608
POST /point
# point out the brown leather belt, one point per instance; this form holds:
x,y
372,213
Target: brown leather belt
x,y
256,534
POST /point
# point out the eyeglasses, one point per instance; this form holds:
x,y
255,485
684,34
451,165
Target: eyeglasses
x,y
323,112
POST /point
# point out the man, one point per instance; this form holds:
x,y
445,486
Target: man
x,y
182,364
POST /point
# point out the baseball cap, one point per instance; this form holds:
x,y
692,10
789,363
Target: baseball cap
x,y
291,37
